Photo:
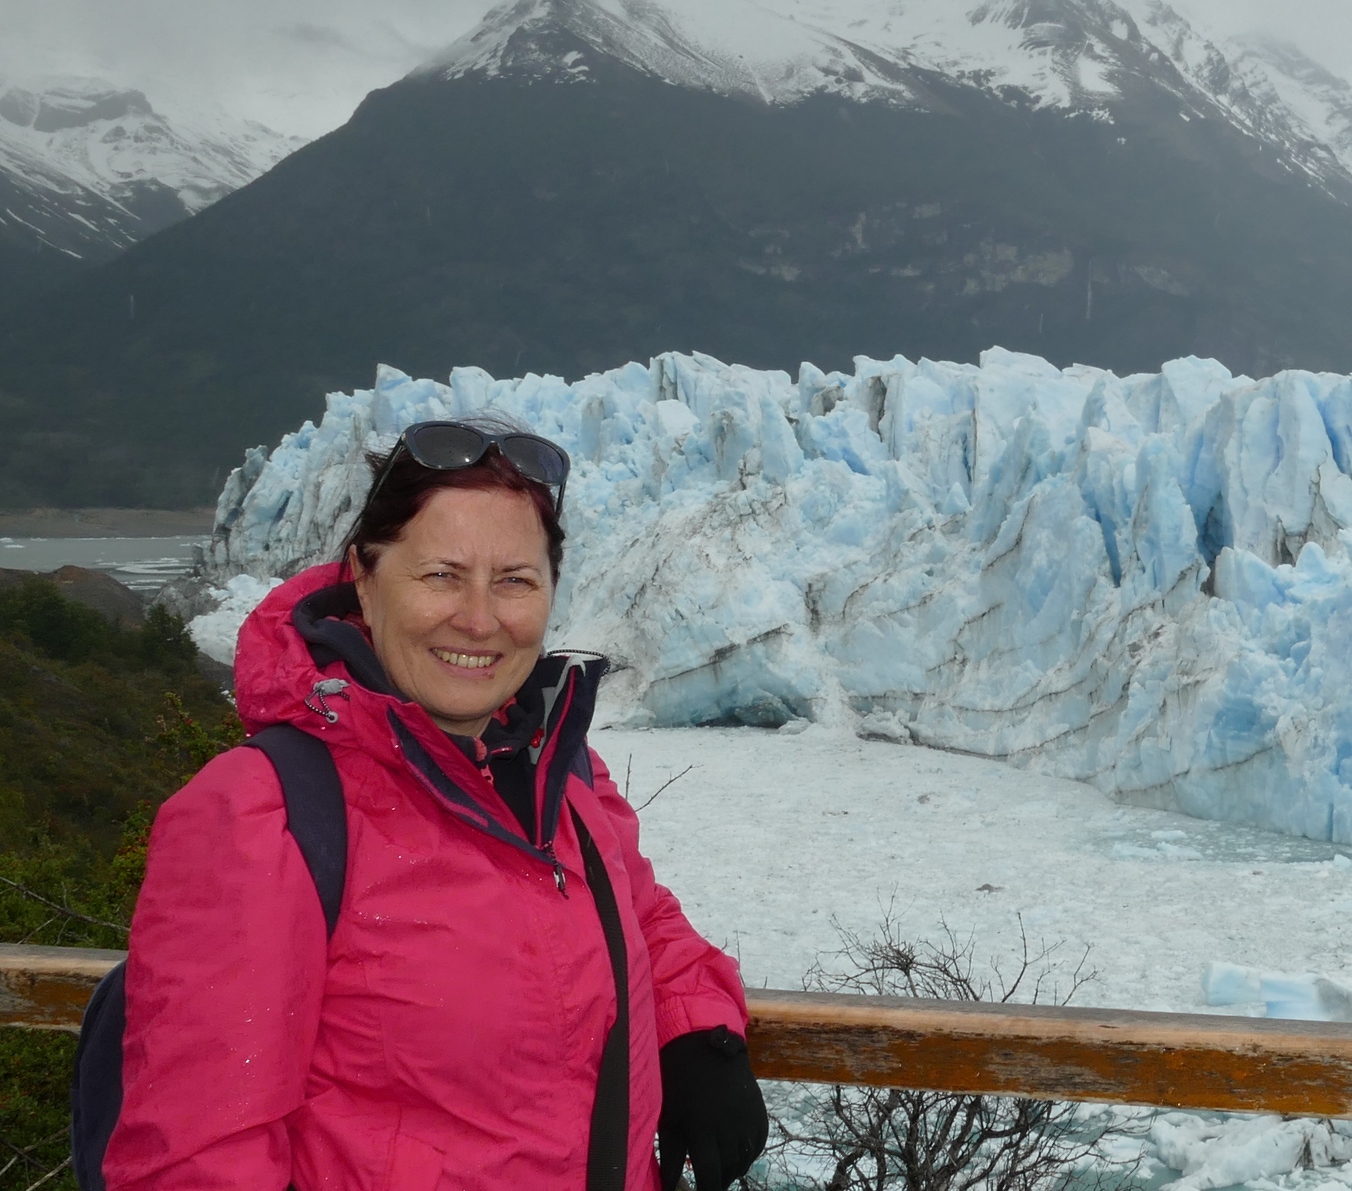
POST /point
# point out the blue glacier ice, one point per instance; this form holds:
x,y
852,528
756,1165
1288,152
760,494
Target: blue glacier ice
x,y
1141,582
1300,996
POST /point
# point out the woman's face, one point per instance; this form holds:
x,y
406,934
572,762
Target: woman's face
x,y
458,607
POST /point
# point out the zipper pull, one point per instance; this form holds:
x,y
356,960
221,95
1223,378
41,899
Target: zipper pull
x,y
560,877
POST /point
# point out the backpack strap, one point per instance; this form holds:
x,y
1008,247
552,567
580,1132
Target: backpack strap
x,y
608,1144
315,812
96,1079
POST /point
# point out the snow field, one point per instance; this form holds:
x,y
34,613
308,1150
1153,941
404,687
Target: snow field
x,y
772,837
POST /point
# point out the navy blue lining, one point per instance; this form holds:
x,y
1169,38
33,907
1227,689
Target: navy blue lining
x,y
318,618
572,736
465,807
608,1143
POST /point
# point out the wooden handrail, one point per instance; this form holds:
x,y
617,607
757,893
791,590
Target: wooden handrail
x,y
1168,1060
48,987
1116,1056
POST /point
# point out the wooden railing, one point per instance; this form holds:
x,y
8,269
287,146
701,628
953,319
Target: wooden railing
x,y
1169,1060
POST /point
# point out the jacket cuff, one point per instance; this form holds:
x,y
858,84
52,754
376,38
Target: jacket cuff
x,y
680,1015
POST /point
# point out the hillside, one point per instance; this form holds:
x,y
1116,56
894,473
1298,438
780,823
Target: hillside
x,y
82,704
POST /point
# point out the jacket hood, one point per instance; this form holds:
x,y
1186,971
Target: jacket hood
x,y
304,658
276,670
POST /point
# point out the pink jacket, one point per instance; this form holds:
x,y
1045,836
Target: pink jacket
x,y
449,1035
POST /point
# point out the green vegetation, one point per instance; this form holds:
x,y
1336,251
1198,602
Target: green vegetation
x,y
81,738
35,1108
98,725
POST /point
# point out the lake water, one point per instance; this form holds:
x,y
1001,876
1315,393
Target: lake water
x,y
143,564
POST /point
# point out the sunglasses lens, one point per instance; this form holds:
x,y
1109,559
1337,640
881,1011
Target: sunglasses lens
x,y
535,458
445,447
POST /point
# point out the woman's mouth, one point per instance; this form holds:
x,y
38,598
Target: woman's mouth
x,y
466,661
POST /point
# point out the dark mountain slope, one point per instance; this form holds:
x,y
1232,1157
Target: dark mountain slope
x,y
546,226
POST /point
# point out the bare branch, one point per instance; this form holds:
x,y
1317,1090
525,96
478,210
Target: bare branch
x,y
37,930
22,1154
66,910
51,1174
890,1139
671,781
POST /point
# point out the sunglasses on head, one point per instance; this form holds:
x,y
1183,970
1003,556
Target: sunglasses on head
x,y
451,446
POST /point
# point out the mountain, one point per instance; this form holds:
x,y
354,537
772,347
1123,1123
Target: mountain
x,y
88,169
578,183
1085,56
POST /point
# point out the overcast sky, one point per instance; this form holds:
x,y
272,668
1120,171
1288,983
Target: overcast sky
x,y
301,66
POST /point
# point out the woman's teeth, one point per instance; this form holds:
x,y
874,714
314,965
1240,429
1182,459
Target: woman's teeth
x,y
469,661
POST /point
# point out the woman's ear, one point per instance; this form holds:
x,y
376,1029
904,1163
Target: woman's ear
x,y
361,577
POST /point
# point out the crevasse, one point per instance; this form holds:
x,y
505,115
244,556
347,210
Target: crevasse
x,y
1140,582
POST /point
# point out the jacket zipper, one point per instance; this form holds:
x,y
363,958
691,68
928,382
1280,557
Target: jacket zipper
x,y
560,877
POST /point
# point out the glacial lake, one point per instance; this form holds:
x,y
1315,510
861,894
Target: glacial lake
x,y
143,564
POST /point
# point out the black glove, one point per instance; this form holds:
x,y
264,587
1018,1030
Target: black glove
x,y
712,1110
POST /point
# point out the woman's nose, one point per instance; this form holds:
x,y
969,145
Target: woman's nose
x,y
474,614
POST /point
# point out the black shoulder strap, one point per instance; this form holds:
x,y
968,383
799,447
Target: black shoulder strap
x,y
315,813
96,1079
608,1146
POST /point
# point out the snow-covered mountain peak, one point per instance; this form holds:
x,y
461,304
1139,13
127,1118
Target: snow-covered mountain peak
x,y
731,46
1281,76
1071,55
75,132
1059,52
73,103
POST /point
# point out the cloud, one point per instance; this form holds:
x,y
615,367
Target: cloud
x,y
1322,29
315,35
300,66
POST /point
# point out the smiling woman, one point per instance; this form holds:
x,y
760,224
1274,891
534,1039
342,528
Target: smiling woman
x,y
508,998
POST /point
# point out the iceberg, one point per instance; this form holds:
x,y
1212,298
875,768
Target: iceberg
x,y
1300,996
1211,1151
1141,582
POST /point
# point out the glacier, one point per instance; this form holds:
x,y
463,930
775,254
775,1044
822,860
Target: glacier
x,y
1139,582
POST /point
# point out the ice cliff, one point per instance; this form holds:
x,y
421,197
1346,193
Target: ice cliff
x,y
1140,582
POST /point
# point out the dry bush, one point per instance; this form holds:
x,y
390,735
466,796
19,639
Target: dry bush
x,y
873,1139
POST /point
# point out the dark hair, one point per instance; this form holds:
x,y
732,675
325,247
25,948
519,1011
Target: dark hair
x,y
409,486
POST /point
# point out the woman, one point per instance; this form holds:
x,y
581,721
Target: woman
x,y
508,999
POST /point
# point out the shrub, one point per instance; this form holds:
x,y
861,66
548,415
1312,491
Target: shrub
x,y
35,612
34,1108
854,1138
